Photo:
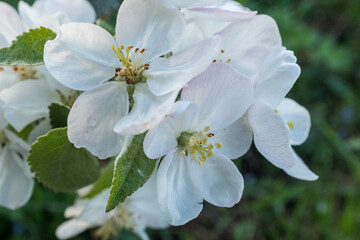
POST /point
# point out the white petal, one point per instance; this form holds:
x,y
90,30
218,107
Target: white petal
x,y
221,182
10,24
150,26
71,228
145,203
278,74
230,11
16,184
189,3
18,110
52,22
27,14
163,138
8,77
170,74
221,94
236,139
81,56
147,112
93,116
298,118
77,10
248,42
179,198
271,135
301,171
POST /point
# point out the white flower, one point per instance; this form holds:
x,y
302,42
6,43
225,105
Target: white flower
x,y
273,131
16,182
137,212
85,56
198,146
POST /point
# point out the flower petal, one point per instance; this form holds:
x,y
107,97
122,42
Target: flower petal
x,y
147,112
81,56
301,171
16,184
221,94
220,181
236,139
163,138
170,74
71,228
278,74
150,26
77,10
145,203
246,43
8,77
189,3
179,198
18,110
10,24
271,135
93,116
297,118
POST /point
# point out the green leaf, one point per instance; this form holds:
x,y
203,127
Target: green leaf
x,y
132,170
59,165
103,182
58,115
106,26
28,48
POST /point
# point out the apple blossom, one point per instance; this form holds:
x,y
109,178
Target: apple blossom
x,y
85,57
137,212
16,182
197,164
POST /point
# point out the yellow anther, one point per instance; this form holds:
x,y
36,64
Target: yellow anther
x,y
210,154
229,60
142,51
218,145
128,51
207,128
122,47
276,111
291,125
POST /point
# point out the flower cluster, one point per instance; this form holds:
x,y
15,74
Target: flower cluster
x,y
201,79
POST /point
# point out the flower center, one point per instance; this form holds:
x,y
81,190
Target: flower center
x,y
132,71
122,219
222,57
197,145
69,100
25,72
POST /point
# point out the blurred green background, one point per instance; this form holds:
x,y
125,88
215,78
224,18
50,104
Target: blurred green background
x,y
325,36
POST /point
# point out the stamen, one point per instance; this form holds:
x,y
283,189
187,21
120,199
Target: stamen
x,y
291,124
142,51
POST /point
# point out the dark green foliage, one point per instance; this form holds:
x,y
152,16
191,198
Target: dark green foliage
x,y
58,165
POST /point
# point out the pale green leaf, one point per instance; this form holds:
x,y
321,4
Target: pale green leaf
x,y
28,48
131,172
